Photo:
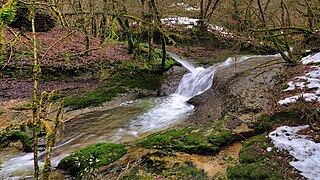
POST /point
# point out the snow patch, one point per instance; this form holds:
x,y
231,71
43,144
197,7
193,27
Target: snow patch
x,y
310,82
312,58
180,21
191,22
187,7
306,96
306,152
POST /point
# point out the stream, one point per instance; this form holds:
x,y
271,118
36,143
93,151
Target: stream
x,y
128,122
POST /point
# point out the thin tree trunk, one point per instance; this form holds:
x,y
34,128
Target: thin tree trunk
x,y
264,24
50,143
35,98
162,36
150,31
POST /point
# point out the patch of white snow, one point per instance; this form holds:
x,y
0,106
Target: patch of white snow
x,y
306,96
187,7
313,58
179,21
306,152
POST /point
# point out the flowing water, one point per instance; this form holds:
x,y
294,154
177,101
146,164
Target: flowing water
x,y
128,122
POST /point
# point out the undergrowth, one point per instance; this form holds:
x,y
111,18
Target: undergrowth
x,y
12,136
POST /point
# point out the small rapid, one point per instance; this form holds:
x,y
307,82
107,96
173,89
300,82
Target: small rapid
x,y
128,122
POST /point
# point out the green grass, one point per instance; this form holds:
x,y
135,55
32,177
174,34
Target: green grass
x,y
93,98
85,160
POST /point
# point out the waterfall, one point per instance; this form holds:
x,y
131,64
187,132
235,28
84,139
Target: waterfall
x,y
174,108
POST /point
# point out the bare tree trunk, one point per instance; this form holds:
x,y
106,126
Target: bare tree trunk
x,y
85,30
264,24
310,15
236,14
92,20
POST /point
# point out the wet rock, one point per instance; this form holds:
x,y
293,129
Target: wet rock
x,y
241,89
172,79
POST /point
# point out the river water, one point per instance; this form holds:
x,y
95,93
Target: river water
x,y
127,122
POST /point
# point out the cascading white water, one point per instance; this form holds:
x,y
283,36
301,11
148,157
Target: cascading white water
x,y
165,112
174,108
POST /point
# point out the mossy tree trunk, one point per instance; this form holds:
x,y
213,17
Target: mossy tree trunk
x,y
35,98
150,18
51,138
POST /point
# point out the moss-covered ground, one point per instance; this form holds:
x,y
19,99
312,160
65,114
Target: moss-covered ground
x,y
153,166
95,97
86,160
12,136
190,140
255,162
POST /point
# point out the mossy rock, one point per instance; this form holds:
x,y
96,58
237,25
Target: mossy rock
x,y
93,98
7,137
221,138
87,159
184,140
44,19
189,141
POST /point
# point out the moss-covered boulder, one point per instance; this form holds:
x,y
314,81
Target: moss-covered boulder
x,y
44,19
190,141
87,159
12,136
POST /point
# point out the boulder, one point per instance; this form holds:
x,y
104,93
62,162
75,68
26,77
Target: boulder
x,y
172,79
44,20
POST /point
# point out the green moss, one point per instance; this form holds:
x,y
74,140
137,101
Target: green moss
x,y
256,162
133,174
252,171
265,122
184,140
186,170
221,138
152,168
189,141
93,98
251,151
7,137
84,160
